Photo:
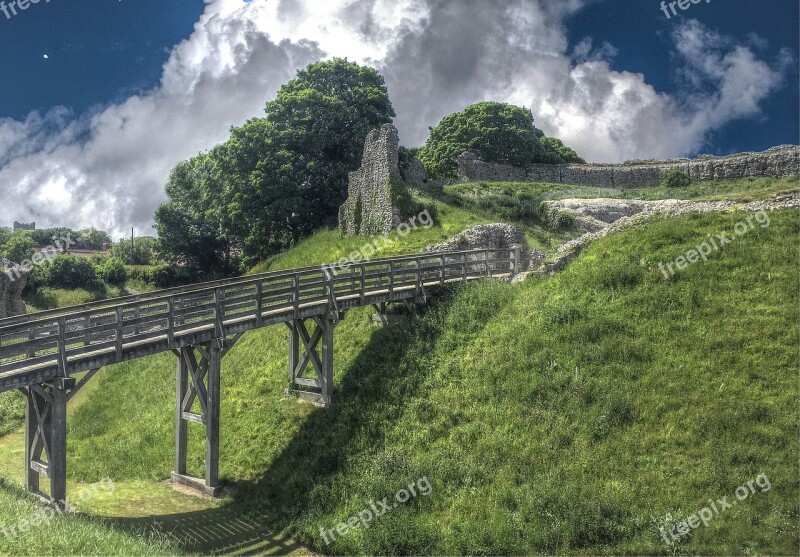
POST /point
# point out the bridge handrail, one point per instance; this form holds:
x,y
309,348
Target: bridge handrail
x,y
192,288
219,305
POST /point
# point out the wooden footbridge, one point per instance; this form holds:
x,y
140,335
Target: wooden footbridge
x,y
49,356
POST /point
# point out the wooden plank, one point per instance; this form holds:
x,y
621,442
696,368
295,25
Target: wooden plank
x,y
41,468
193,417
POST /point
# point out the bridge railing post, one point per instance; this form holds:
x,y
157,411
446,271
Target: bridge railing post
x,y
171,321
219,312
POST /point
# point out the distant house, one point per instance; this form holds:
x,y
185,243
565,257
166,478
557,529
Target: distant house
x,y
24,226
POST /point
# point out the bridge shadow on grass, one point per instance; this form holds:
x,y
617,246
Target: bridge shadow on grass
x,y
368,401
220,531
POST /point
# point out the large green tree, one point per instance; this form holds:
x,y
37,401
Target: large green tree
x,y
190,229
498,132
277,178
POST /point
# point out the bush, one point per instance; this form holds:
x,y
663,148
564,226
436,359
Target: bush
x,y
563,220
142,251
19,248
67,271
497,132
111,271
675,179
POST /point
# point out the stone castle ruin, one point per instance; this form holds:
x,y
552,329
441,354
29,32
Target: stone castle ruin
x,y
378,197
778,162
13,280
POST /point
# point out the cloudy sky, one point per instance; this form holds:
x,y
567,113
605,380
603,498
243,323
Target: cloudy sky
x,y
101,98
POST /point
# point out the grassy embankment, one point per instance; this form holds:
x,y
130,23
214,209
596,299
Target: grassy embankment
x,y
681,390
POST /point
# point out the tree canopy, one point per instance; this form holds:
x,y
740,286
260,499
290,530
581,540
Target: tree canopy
x,y
498,132
277,178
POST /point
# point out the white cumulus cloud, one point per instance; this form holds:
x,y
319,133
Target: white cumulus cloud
x,y
108,169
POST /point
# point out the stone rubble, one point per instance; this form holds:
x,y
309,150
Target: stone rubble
x,y
493,236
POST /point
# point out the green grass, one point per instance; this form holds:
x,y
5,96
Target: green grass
x,y
520,202
507,194
329,246
51,298
66,534
563,415
742,190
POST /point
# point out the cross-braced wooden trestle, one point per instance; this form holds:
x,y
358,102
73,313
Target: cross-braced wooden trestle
x,y
315,349
46,435
198,380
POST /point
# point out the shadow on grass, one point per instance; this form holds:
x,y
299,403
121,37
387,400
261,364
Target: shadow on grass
x,y
219,531
368,401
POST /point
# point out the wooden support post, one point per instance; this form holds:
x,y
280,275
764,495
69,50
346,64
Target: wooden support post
x,y
199,380
181,429
317,350
57,458
212,418
34,443
294,353
327,360
46,438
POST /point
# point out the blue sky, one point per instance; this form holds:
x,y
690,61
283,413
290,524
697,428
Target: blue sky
x,y
102,98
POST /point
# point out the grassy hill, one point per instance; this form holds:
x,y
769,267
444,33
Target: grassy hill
x,y
563,415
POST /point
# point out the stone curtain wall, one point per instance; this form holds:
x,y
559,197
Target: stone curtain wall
x,y
778,162
377,196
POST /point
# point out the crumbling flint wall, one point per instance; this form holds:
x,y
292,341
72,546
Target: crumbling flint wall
x,y
497,236
778,162
370,207
12,283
